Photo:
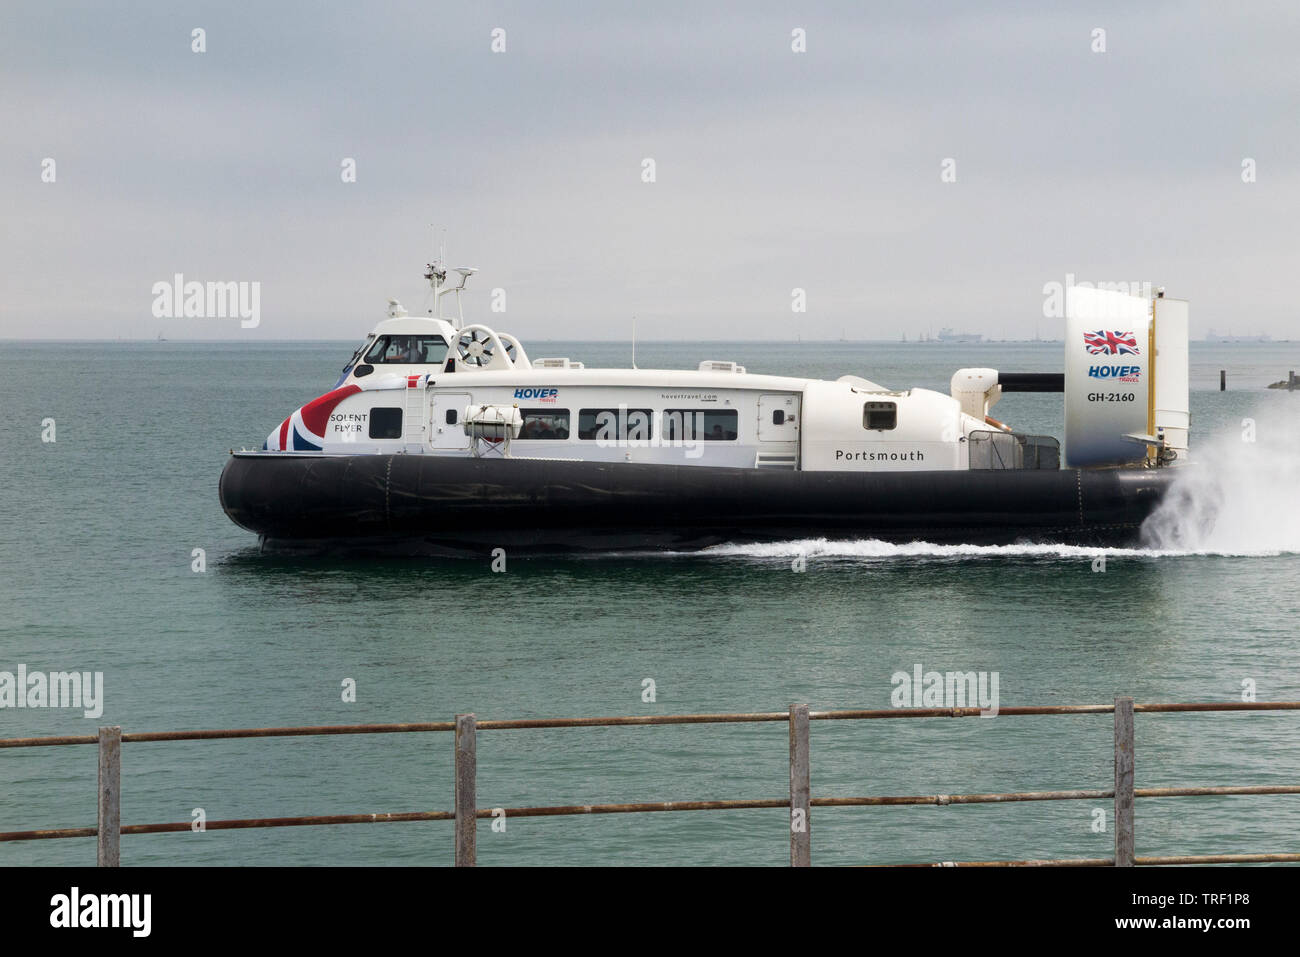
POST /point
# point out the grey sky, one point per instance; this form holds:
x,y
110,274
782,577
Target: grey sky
x,y
775,170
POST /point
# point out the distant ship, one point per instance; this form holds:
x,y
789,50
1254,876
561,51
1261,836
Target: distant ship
x,y
947,335
1213,336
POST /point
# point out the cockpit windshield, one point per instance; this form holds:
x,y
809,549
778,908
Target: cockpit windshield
x,y
407,350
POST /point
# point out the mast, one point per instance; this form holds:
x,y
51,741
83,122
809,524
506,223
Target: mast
x,y
436,273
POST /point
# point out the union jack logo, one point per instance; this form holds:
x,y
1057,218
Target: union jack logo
x,y
1102,343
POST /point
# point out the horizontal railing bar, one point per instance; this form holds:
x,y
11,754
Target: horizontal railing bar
x,y
945,799
517,724
239,823
1227,790
208,735
653,806
1220,706
306,730
1043,862
236,824
556,811
49,834
648,806
49,742
1109,861
1069,795
1219,859
882,713
631,720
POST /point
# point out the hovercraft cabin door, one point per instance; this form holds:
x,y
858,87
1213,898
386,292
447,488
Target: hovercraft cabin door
x,y
446,421
778,431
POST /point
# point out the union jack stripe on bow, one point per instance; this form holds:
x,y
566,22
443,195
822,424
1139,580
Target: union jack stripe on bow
x,y
304,431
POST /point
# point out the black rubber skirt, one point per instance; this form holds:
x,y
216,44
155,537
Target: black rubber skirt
x,y
422,504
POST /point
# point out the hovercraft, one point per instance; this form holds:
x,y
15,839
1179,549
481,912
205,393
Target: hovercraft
x,y
445,438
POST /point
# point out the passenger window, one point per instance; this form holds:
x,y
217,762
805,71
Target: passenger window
x,y
610,425
545,424
701,425
385,423
880,415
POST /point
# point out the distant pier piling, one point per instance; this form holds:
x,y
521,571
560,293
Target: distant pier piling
x,y
1223,379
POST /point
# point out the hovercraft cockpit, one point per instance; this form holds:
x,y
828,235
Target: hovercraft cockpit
x,y
420,345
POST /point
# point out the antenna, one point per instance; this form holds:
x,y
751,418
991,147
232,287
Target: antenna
x,y
436,273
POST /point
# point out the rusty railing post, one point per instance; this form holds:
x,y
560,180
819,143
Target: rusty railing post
x,y
109,828
800,789
1124,844
466,791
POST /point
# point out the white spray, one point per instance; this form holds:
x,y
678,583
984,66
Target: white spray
x,y
1240,494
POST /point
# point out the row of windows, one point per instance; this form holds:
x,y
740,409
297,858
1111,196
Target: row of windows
x,y
711,425
686,425
683,425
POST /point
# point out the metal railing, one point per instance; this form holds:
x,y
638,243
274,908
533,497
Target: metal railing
x,y
465,813
1013,450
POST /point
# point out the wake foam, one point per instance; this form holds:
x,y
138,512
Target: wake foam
x,y
871,548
